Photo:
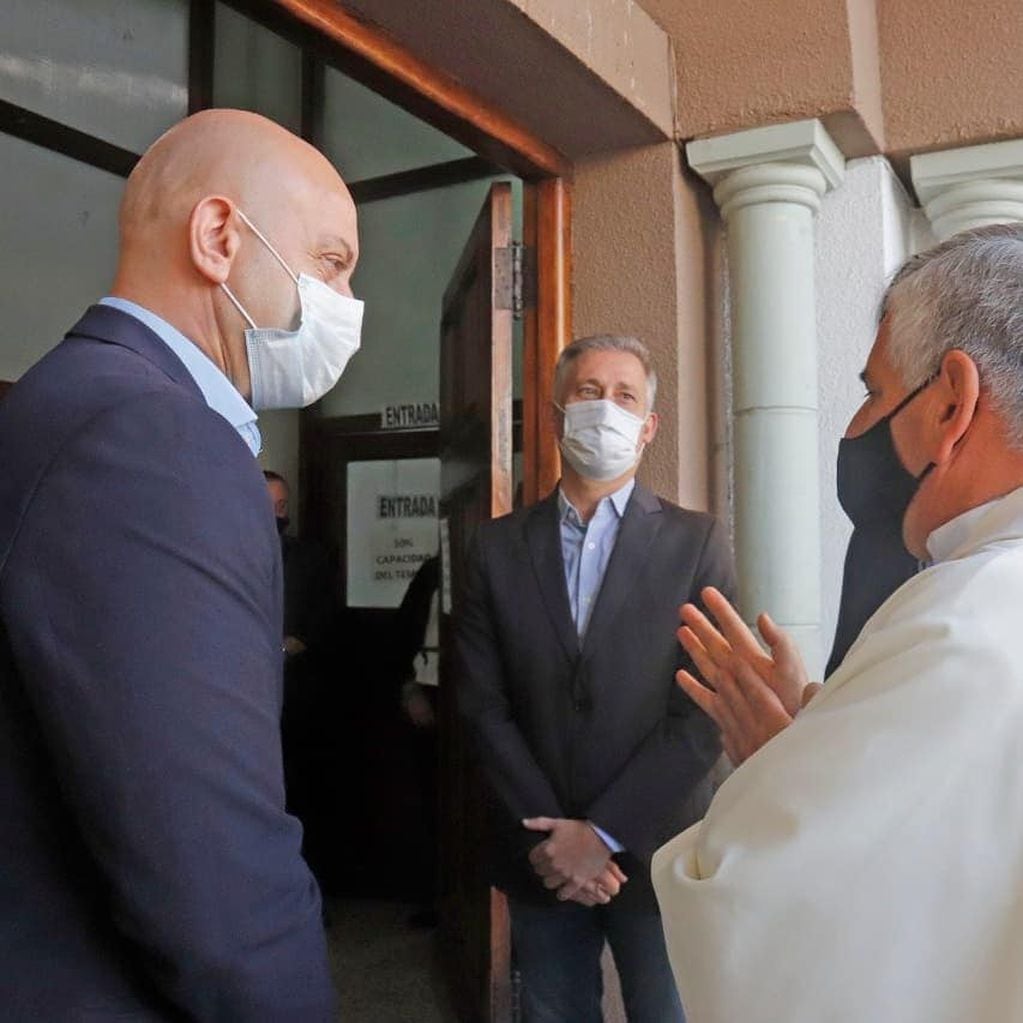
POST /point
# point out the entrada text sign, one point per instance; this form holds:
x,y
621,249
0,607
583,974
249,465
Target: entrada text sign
x,y
392,527
409,417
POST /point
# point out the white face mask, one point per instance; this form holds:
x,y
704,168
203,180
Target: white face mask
x,y
293,368
600,439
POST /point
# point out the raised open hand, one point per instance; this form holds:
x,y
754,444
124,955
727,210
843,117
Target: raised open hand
x,y
712,649
750,695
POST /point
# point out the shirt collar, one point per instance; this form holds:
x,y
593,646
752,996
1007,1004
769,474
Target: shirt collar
x,y
1000,519
618,500
219,392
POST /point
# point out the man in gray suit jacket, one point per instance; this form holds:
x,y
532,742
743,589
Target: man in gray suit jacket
x,y
568,659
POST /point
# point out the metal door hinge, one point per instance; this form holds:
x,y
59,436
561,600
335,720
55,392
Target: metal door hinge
x,y
515,279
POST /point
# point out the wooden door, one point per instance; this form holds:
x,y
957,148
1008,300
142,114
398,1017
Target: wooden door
x,y
476,484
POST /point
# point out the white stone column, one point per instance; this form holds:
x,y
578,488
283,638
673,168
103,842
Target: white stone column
x,y
769,183
961,189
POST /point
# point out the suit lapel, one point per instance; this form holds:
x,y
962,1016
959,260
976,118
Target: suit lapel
x,y
640,525
105,323
543,538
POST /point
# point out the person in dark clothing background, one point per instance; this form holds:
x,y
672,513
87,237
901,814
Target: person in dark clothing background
x,y
309,611
416,637
307,590
415,630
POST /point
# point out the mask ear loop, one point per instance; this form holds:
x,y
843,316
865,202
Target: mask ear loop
x,y
931,466
238,306
912,394
280,259
262,237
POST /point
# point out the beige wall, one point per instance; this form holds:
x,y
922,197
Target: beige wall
x,y
742,64
885,76
952,72
642,238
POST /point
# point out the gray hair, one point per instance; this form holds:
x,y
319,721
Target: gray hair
x,y
608,343
965,294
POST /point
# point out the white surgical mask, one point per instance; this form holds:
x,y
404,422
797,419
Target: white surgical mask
x,y
293,368
600,439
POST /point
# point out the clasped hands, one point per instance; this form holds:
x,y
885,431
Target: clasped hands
x,y
574,860
750,695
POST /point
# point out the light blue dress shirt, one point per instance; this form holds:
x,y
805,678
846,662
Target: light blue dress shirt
x,y
586,549
219,392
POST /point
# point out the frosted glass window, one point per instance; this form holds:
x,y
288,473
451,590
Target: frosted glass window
x,y
58,248
117,69
365,136
254,69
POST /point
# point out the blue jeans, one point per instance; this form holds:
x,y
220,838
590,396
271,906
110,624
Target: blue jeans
x,y
557,952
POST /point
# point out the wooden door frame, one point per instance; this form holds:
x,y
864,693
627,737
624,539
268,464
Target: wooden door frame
x,y
380,62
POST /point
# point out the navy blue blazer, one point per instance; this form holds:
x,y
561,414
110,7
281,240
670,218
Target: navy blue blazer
x,y
148,870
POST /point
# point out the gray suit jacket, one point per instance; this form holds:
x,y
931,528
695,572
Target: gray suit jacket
x,y
598,731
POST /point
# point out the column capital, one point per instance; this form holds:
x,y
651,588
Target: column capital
x,y
961,189
802,145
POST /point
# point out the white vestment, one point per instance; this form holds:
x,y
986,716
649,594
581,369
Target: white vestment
x,y
866,866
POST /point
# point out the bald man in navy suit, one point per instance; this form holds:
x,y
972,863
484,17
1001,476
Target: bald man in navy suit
x,y
148,869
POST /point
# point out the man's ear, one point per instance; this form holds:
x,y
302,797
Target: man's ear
x,y
649,430
958,395
213,239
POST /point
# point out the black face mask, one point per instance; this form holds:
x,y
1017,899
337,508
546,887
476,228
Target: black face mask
x,y
873,485
282,524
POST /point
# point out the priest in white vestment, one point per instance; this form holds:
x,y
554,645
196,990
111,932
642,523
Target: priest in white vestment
x,y
866,864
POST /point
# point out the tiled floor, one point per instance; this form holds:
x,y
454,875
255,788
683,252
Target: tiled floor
x,y
385,971
388,972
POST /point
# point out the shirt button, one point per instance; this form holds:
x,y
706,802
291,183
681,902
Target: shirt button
x,y
592,546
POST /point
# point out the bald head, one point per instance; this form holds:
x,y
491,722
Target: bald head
x,y
245,157
184,232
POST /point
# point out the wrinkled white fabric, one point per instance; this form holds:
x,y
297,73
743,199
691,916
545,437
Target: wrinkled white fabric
x,y
866,866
